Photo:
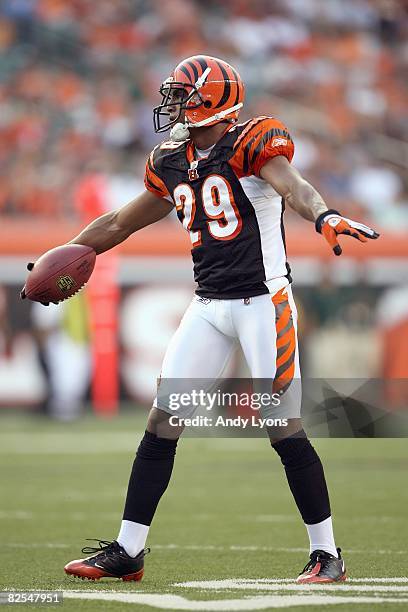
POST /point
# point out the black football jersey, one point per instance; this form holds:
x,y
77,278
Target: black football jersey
x,y
233,216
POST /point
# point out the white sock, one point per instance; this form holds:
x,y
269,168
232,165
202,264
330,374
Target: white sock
x,y
132,536
321,536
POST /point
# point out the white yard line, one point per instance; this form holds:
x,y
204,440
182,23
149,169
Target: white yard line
x,y
77,516
272,518
36,545
68,516
400,579
246,585
20,515
311,595
91,442
239,548
175,602
395,579
71,443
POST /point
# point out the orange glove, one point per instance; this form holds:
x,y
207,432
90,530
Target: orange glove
x,y
331,224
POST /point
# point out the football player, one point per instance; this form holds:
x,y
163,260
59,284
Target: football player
x,y
230,183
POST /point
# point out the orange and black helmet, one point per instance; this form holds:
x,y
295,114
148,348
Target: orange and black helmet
x,y
208,89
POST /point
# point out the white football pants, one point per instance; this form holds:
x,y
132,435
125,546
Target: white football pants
x,y
265,327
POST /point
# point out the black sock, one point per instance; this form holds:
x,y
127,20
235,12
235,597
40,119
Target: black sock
x,y
150,476
305,475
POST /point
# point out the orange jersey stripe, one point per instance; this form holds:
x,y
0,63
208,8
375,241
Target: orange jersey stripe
x,y
262,139
153,182
250,124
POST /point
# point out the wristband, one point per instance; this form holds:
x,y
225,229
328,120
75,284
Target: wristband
x,y
320,219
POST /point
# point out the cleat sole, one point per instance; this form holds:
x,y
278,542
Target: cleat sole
x,y
317,580
136,577
82,577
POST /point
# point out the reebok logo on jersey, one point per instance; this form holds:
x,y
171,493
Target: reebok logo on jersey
x,y
279,142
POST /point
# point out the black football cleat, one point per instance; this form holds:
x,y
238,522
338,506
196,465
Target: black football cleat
x,y
323,567
109,560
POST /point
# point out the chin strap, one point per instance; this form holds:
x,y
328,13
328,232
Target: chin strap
x,y
180,131
217,116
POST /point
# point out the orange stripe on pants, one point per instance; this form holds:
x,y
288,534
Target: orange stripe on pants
x,y
285,343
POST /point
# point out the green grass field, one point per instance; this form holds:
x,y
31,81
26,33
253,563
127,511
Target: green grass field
x,y
227,516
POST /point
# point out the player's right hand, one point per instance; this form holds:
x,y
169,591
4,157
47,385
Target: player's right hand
x,y
23,296
331,224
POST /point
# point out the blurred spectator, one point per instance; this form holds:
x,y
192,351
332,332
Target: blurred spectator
x,y
375,186
78,83
392,320
338,336
20,375
5,331
62,334
345,347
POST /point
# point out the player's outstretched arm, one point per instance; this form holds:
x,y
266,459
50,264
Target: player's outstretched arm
x,y
307,201
114,227
298,193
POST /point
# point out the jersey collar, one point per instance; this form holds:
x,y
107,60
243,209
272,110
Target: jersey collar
x,y
190,149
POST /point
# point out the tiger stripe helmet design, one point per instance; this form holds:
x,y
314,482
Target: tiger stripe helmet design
x,y
208,89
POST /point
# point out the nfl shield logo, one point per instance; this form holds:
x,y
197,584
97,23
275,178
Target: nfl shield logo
x,y
192,171
65,283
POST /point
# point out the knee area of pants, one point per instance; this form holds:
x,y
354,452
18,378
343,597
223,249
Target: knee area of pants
x,y
152,447
296,452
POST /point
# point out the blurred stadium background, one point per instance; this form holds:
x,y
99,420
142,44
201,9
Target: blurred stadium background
x,y
77,87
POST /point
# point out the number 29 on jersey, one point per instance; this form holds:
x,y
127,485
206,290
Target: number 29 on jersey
x,y
222,216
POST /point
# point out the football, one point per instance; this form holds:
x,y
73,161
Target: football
x,y
60,273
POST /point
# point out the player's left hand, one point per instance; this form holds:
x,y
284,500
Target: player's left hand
x,y
331,224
